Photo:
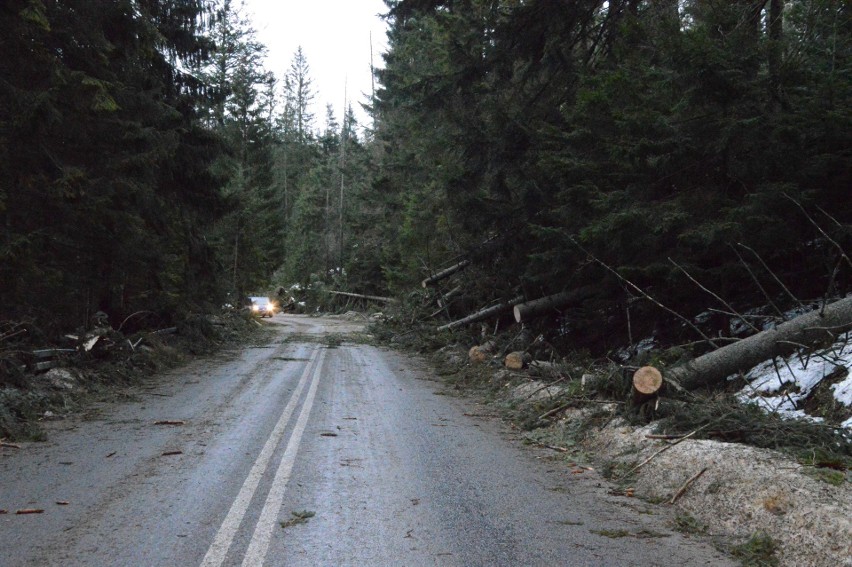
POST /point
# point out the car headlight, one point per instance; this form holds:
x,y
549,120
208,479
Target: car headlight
x,y
255,308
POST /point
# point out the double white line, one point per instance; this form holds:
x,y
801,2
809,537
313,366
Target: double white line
x,y
263,530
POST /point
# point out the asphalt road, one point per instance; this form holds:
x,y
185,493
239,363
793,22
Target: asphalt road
x,y
303,451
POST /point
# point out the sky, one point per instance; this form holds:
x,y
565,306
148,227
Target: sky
x,y
335,39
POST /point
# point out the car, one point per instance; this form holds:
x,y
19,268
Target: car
x,y
262,306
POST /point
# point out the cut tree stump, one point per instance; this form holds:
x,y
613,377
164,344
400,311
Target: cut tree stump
x,y
647,383
647,380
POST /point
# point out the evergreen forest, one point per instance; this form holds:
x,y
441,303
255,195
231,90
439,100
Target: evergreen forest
x,y
637,153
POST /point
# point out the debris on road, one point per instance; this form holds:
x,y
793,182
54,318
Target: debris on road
x,y
298,518
30,511
170,422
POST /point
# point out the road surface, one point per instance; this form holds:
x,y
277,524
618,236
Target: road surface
x,y
303,450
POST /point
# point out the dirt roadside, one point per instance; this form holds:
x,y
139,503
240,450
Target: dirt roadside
x,y
762,506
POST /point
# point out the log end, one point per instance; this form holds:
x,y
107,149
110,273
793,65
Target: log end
x,y
647,380
515,360
517,313
480,353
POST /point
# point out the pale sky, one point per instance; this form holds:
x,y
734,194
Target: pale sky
x,y
335,39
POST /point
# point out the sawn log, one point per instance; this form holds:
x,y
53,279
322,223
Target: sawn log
x,y
542,306
369,297
712,368
443,274
483,314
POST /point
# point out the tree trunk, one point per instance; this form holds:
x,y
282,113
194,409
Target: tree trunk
x,y
360,296
444,300
775,27
544,305
483,314
443,274
808,329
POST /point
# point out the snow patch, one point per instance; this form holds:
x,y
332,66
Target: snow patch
x,y
782,385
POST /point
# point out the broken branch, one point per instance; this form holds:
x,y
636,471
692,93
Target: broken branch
x,y
686,485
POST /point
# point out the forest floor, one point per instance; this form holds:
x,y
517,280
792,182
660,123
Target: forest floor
x,y
764,507
101,370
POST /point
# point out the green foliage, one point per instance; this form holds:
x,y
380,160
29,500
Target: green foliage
x,y
758,551
640,131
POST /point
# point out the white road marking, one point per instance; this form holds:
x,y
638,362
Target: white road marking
x,y
259,545
225,536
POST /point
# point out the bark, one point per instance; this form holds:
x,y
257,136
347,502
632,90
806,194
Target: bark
x,y
443,274
545,305
360,296
808,329
444,300
486,313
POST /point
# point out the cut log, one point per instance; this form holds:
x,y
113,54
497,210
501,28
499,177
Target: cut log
x,y
516,360
368,297
712,368
486,313
544,305
647,381
443,274
480,353
444,300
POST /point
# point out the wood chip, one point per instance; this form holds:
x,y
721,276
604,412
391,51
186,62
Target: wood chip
x,y
30,511
170,422
112,454
4,511
169,453
62,503
9,445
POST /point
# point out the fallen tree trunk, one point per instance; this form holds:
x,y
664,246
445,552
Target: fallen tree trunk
x,y
444,300
542,306
443,274
647,383
483,314
360,296
712,368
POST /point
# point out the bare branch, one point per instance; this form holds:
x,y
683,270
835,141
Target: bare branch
x,y
642,292
719,299
757,282
821,231
776,278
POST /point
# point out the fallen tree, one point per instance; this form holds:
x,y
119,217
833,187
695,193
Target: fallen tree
x,y
483,314
544,305
443,274
368,297
805,330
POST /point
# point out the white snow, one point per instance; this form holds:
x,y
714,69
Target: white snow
x,y
782,385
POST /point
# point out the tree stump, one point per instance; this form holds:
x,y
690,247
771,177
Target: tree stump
x,y
647,383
